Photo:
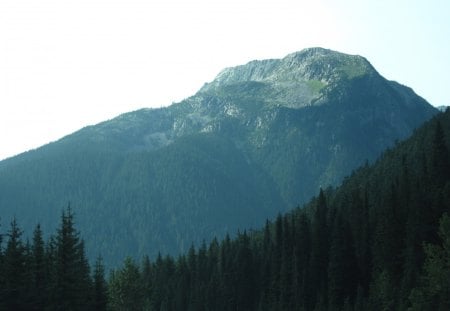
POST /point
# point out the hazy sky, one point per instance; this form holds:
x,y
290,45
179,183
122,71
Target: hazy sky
x,y
67,64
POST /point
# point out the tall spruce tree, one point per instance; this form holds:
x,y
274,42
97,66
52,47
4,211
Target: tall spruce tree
x,y
100,286
15,295
39,273
72,278
320,250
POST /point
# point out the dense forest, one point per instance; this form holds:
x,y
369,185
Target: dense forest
x,y
49,275
381,241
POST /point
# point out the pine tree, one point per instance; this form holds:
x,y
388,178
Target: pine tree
x,y
286,267
228,272
100,286
275,264
126,291
434,293
72,286
440,156
342,268
302,254
160,281
388,239
147,280
182,289
244,277
213,279
15,296
40,276
320,248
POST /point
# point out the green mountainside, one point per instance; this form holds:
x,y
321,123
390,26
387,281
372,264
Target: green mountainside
x,y
259,139
380,241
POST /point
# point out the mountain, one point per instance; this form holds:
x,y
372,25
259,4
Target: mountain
x,y
257,140
380,241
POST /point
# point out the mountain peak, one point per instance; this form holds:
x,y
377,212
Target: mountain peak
x,y
302,64
301,77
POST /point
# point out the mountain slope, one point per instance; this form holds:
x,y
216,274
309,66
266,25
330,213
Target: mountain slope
x,y
259,139
380,241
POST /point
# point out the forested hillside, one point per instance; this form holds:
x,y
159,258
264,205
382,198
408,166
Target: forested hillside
x,y
380,241
257,140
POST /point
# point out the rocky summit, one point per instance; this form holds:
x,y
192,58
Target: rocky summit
x,y
296,80
259,139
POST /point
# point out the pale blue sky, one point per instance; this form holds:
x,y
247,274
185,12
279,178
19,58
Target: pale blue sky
x,y
66,64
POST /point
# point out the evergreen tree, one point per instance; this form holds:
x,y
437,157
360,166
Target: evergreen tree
x,y
286,267
342,269
244,274
147,280
125,290
388,239
440,156
320,248
51,272
228,272
15,295
182,289
72,286
276,260
100,286
434,293
40,277
194,299
213,277
302,254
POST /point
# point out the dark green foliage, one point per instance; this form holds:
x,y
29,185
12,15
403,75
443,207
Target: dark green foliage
x,y
126,290
342,265
40,277
320,247
46,276
440,164
72,287
433,293
15,290
100,287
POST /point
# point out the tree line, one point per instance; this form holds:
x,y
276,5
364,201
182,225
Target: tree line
x,y
49,275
